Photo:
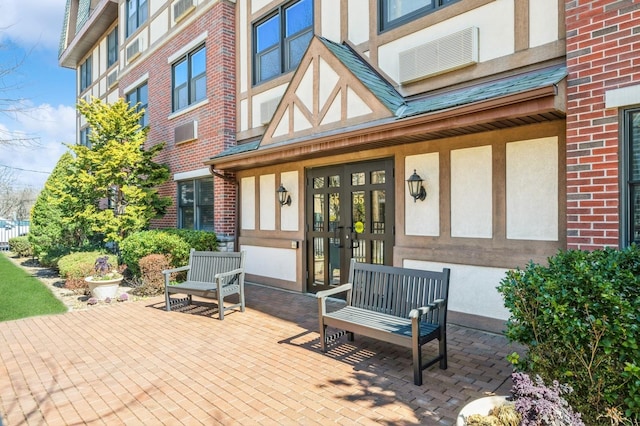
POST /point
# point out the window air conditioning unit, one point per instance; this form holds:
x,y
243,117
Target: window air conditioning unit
x,y
267,109
133,50
181,9
112,79
186,132
445,54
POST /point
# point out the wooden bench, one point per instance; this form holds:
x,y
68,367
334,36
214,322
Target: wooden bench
x,y
212,275
407,307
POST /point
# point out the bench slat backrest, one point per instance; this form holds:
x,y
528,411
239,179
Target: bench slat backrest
x,y
396,291
204,265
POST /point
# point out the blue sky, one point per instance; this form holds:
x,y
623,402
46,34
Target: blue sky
x,y
29,39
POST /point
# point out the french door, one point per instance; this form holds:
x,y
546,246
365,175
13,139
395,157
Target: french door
x,y
349,215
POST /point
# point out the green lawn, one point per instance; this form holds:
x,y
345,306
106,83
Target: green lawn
x,y
23,295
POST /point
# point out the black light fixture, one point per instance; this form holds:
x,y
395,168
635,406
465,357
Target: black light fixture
x,y
283,196
416,190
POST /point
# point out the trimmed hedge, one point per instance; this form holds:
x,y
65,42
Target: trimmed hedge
x,y
143,243
199,240
20,246
579,318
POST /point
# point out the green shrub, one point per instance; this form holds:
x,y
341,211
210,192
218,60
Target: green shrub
x,y
151,267
198,240
579,318
140,244
75,267
20,246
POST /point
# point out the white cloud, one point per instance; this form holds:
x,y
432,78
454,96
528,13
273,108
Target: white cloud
x,y
32,23
52,126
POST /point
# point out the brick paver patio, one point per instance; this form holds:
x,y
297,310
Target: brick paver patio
x,y
135,364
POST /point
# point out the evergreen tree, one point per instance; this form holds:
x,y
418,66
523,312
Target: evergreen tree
x,y
112,186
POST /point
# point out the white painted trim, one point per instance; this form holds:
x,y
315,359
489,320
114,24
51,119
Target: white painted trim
x,y
192,174
187,47
144,78
624,96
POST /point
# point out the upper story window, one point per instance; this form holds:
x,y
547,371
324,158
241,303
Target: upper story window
x,y
189,78
112,47
137,14
281,38
86,76
84,137
140,97
393,13
631,170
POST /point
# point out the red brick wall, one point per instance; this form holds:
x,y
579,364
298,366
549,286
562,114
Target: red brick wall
x,y
603,53
216,118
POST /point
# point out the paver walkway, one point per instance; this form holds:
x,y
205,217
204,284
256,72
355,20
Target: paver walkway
x,y
134,363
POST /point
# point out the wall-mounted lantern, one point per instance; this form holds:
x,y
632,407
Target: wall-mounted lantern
x,y
283,196
416,190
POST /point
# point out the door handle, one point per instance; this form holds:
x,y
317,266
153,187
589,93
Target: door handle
x,y
355,242
337,236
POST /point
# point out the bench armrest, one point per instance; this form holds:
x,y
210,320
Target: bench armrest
x,y
340,289
417,313
229,277
170,271
322,297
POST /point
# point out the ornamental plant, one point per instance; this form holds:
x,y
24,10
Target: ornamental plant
x,y
579,319
104,271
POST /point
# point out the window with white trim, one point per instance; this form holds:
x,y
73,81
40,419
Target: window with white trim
x,y
84,137
195,204
281,38
189,78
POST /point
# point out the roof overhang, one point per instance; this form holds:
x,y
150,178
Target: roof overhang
x,y
102,17
542,104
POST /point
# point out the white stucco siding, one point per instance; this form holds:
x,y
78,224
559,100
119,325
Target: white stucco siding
x,y
330,20
248,203
472,193
243,58
532,189
543,22
495,22
268,202
358,21
271,262
472,289
423,217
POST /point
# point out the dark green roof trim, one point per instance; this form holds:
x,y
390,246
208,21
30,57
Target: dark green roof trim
x,y
238,149
384,91
492,90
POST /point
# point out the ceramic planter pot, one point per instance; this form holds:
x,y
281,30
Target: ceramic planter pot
x,y
101,289
479,406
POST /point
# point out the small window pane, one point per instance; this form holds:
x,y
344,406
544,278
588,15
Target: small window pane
x,y
318,212
378,177
268,33
296,47
269,64
205,191
334,181
206,218
298,17
318,183
635,146
187,219
186,193
398,8
357,179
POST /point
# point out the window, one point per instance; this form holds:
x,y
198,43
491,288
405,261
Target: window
x,y
631,170
189,79
84,137
85,74
140,95
112,47
195,204
137,15
281,38
393,13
